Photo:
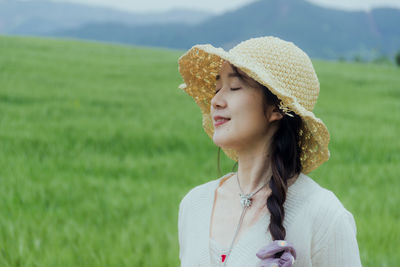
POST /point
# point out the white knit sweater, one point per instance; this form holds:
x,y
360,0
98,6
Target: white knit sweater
x,y
322,231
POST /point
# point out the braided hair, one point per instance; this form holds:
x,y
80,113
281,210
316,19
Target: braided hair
x,y
285,164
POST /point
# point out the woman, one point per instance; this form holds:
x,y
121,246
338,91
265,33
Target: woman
x,y
257,101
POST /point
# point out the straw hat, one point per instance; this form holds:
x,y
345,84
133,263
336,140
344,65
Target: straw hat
x,y
280,66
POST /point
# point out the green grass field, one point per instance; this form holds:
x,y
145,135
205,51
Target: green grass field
x,y
98,146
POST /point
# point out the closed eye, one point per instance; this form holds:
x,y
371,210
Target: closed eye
x,y
233,89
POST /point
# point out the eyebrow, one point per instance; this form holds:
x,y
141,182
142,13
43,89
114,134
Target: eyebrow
x,y
233,74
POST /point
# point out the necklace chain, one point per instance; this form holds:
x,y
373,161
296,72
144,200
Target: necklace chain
x,y
246,198
245,201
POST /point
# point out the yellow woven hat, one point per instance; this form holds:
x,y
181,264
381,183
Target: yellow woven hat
x,y
277,64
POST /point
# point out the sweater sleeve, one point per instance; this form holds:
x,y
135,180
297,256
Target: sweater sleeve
x,y
180,228
338,244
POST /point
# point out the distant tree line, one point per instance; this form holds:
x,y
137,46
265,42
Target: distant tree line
x,y
378,59
397,58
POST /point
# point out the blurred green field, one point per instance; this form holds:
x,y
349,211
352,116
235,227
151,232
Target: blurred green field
x,y
98,146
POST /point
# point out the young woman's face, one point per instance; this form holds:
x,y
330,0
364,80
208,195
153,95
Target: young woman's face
x,y
237,112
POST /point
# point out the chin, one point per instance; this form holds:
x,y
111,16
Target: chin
x,y
223,141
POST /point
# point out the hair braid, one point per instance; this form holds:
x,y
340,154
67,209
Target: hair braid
x,y
285,163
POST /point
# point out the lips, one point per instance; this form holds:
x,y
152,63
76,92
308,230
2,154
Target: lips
x,y
219,120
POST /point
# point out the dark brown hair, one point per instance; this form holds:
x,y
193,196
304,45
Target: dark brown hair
x,y
285,159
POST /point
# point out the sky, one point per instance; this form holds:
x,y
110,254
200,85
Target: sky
x,y
221,6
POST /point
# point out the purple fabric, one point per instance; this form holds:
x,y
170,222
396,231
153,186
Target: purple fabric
x,y
266,254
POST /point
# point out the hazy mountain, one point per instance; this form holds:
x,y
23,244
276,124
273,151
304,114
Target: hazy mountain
x,y
41,17
321,32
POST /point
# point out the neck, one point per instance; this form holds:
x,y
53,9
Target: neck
x,y
254,162
253,172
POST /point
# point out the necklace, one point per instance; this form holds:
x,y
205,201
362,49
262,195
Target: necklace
x,y
245,201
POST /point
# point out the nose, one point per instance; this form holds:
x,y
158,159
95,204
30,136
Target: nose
x,y
218,101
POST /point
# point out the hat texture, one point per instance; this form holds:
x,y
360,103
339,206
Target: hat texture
x,y
277,64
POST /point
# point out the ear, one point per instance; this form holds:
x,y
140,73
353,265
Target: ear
x,y
275,114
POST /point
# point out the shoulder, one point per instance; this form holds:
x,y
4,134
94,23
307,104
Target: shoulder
x,y
197,193
201,193
318,198
324,207
332,226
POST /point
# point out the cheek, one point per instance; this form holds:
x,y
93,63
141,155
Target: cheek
x,y
249,112
251,122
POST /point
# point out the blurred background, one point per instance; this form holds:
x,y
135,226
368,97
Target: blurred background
x,y
98,145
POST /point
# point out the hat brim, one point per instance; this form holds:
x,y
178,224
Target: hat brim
x,y
199,67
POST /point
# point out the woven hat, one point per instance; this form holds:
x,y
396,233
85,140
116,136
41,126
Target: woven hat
x,y
279,65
